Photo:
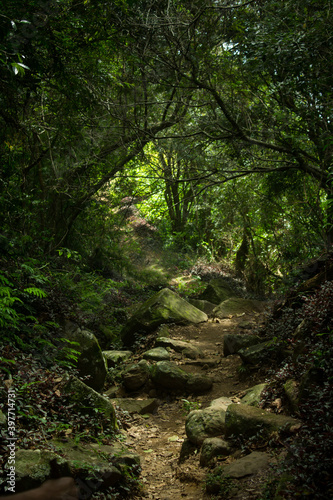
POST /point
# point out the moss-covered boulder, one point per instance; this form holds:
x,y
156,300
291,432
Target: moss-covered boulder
x,y
236,306
106,465
91,361
168,375
248,421
203,424
33,467
88,400
217,291
164,307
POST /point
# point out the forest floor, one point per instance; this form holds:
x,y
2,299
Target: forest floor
x,y
158,438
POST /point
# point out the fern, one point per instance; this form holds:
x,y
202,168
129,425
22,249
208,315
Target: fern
x,y
36,291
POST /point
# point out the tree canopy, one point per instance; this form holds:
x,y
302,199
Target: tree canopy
x,y
225,106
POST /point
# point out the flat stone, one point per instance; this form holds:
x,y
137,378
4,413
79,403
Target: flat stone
x,y
157,354
246,466
185,348
221,403
140,406
253,395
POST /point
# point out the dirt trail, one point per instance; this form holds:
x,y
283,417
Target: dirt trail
x,y
158,438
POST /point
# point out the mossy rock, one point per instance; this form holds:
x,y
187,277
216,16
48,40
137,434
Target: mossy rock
x,y
236,306
248,421
164,307
217,291
88,400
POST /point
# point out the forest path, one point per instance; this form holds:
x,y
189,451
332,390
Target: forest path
x,y
158,438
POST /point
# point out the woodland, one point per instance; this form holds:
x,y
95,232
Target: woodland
x,y
199,131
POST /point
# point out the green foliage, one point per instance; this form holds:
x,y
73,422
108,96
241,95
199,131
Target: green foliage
x,y
189,406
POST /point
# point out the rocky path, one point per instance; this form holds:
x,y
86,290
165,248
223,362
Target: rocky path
x,y
158,437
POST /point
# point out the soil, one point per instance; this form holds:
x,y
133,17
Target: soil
x,y
158,438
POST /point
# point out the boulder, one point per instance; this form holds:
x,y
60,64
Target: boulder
x,y
213,447
33,467
136,375
217,291
88,399
232,343
261,353
246,466
221,403
236,306
114,358
109,463
247,421
203,424
253,395
164,307
157,354
204,305
91,362
169,376
186,348
140,406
